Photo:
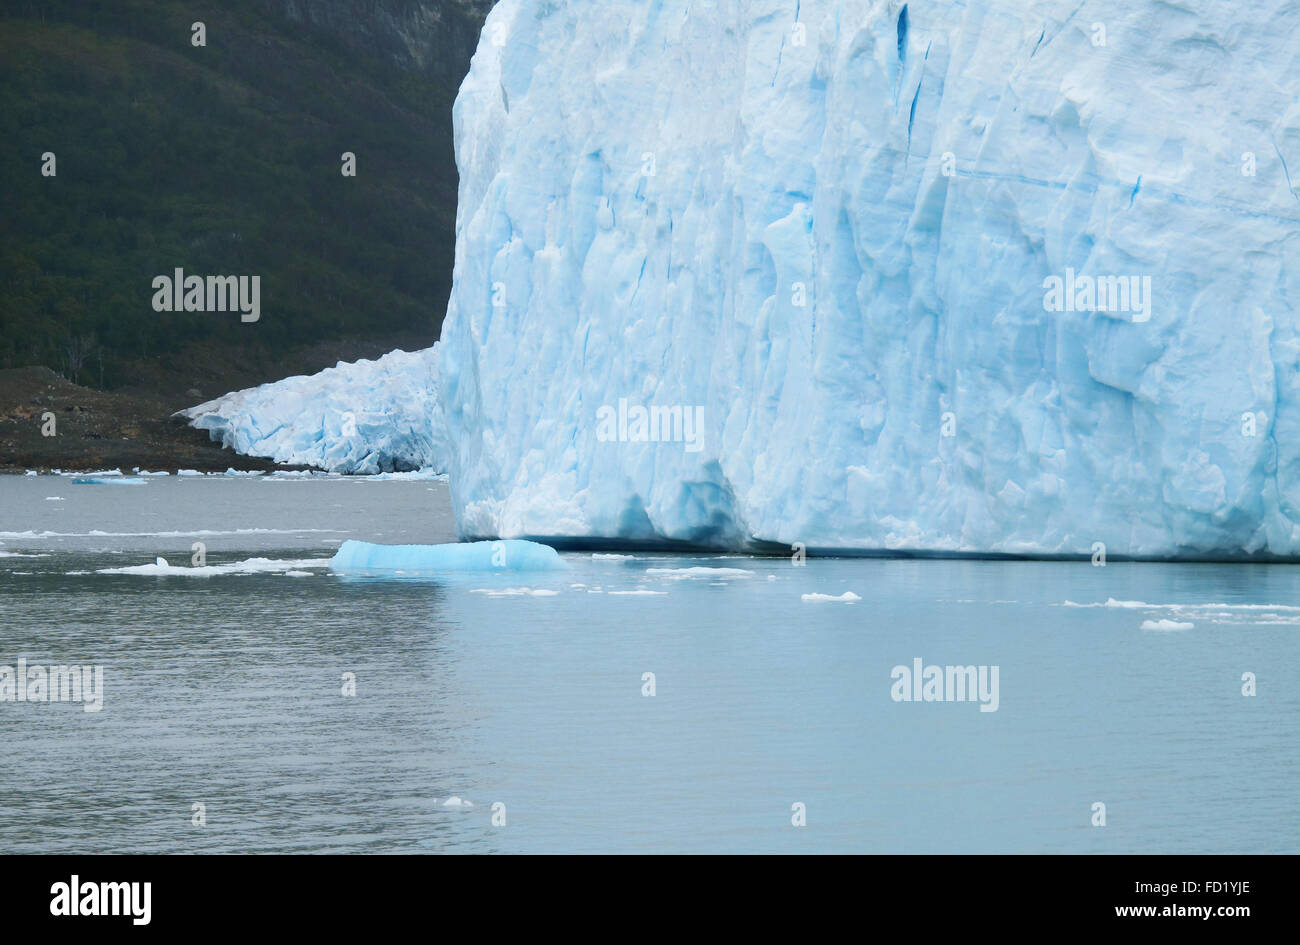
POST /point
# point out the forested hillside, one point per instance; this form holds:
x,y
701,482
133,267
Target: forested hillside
x,y
223,159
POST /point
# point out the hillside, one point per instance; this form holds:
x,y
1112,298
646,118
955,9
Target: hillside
x,y
224,159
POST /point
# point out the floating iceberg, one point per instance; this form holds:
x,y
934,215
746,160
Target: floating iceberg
x,y
700,573
510,555
364,417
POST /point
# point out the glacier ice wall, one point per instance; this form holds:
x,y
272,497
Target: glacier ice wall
x,y
830,225
363,417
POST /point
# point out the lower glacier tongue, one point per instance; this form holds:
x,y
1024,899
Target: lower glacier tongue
x,y
366,417
938,277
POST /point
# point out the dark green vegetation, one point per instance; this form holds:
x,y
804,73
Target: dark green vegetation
x,y
223,159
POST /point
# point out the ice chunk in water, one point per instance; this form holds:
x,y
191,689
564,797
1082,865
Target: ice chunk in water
x,y
510,555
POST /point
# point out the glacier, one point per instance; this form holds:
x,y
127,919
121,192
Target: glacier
x,y
364,417
956,276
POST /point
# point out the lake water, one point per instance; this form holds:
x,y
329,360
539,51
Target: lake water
x,y
227,691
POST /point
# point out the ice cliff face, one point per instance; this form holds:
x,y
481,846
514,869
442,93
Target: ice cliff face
x,y
364,417
937,275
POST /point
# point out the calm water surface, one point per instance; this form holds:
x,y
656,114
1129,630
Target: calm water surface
x,y
226,690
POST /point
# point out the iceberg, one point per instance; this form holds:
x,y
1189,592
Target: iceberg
x,y
364,417
943,276
509,555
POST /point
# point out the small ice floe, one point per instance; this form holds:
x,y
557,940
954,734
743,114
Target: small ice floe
x,y
598,556
847,597
710,574
298,574
1112,603
456,803
244,472
160,567
19,554
514,592
640,592
1177,608
54,498
188,473
1218,613
1166,626
117,480
144,472
199,532
31,472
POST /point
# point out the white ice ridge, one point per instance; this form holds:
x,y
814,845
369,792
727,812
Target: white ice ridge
x,y
1165,625
832,225
161,567
847,597
364,417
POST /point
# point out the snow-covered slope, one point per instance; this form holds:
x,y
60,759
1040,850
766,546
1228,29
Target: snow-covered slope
x,y
828,230
364,417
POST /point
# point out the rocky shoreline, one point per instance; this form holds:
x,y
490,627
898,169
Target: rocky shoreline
x,y
48,423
